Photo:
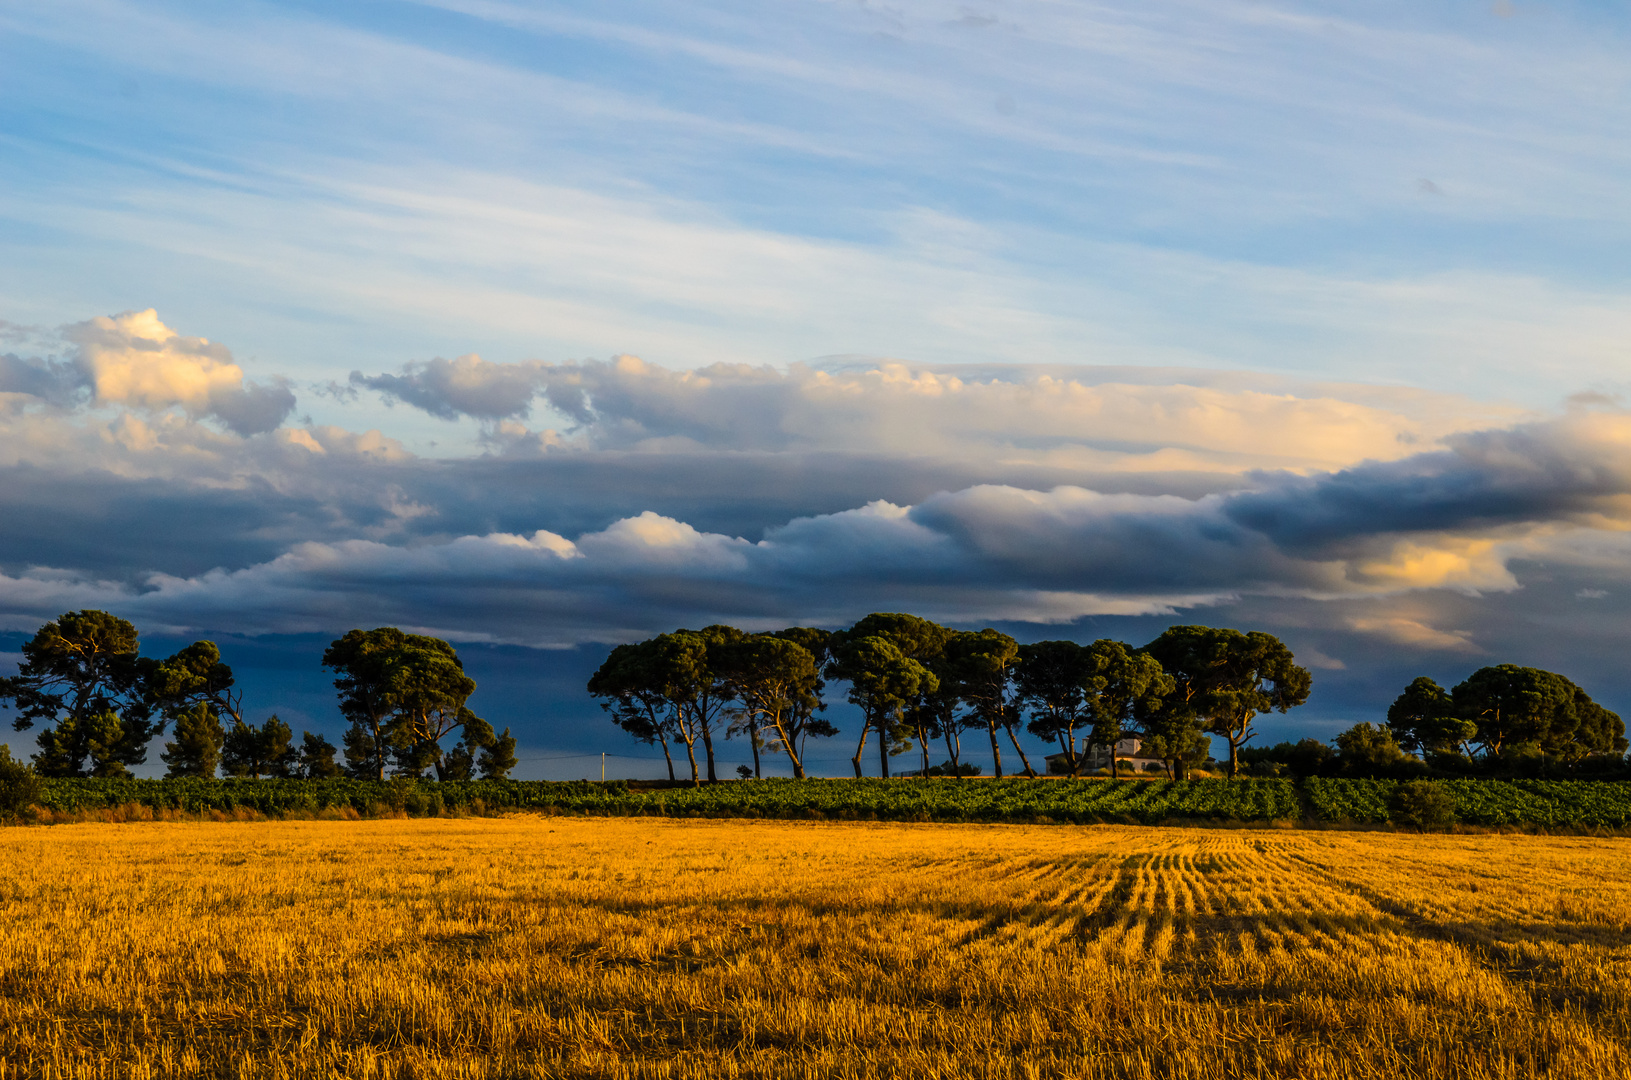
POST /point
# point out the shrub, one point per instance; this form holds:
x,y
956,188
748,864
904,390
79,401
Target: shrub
x,y
19,786
1424,803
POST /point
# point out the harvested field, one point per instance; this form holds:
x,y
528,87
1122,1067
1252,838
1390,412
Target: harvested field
x,y
629,947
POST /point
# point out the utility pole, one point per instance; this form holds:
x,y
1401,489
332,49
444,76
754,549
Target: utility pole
x,y
603,766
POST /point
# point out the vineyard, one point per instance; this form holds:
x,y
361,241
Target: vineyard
x,y
1541,803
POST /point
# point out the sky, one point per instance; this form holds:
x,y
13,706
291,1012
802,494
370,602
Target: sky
x,y
547,326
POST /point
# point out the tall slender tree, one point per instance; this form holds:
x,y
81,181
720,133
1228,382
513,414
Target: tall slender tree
x,y
196,748
882,681
633,686
984,664
1051,682
703,692
1118,683
359,661
913,638
774,681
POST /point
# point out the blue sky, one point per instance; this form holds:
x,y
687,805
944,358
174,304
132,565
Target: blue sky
x,y
1170,252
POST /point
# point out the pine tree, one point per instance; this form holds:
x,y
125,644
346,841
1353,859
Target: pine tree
x,y
498,757
278,753
458,763
196,750
364,754
317,758
82,674
254,752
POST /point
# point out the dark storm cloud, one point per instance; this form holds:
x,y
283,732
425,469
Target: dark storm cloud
x,y
1539,472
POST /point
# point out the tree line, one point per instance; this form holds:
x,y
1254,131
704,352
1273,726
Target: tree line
x,y
101,703
1503,719
918,684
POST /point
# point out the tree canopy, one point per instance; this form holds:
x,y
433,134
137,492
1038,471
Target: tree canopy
x,y
403,694
1505,711
1226,679
83,677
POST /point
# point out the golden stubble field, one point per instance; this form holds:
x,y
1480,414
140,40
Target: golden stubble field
x,y
528,946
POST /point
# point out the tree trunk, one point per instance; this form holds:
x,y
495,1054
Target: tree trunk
x,y
792,754
923,745
996,751
954,747
708,748
883,752
667,756
1020,750
866,726
1115,765
691,752
753,738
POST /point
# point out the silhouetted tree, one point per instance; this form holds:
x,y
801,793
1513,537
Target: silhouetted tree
x,y
1369,750
882,682
497,757
983,665
774,681
1051,681
404,694
1424,720
633,683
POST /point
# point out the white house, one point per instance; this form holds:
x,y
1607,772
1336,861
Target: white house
x,y
1098,757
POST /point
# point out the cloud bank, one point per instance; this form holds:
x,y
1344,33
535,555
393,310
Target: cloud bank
x,y
620,498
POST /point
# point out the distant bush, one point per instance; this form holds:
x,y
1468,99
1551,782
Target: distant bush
x,y
1424,803
19,786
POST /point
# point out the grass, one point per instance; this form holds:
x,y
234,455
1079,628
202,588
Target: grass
x,y
630,947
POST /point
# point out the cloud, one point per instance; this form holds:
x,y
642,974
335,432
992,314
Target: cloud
x,y
136,361
54,382
1405,631
1068,417
468,386
984,552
